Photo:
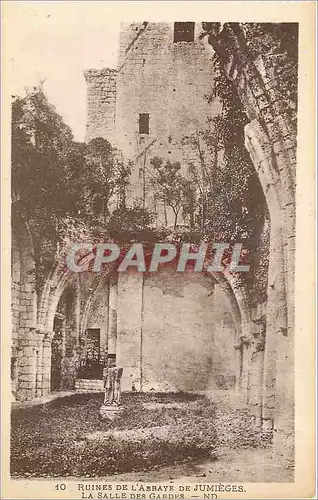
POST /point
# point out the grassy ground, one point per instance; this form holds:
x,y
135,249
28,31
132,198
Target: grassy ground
x,y
65,437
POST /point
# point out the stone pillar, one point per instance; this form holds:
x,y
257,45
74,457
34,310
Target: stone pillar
x,y
239,366
101,103
39,365
243,302
46,358
27,366
14,372
63,332
129,325
276,322
77,316
246,358
112,315
104,324
279,352
257,368
278,385
284,445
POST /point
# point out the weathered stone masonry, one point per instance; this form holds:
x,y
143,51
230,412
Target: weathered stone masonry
x,y
101,103
156,77
220,337
270,138
267,380
174,349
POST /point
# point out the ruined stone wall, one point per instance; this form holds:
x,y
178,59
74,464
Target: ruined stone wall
x,y
270,139
256,367
15,291
33,312
15,314
129,34
128,324
168,81
175,331
101,103
169,332
25,341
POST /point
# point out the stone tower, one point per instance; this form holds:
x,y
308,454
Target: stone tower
x,y
164,75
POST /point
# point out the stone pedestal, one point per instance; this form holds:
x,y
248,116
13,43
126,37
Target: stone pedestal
x,y
110,412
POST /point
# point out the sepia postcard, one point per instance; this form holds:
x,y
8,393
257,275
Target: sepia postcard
x,y
158,250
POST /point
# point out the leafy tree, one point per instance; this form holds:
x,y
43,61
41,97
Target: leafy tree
x,y
203,162
229,203
104,176
42,147
132,224
171,187
53,176
63,189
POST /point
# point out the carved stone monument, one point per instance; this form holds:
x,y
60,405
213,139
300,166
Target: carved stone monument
x,y
112,375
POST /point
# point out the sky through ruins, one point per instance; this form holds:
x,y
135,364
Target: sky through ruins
x,y
56,44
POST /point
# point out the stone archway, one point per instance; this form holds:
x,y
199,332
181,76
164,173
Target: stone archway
x,y
59,281
270,139
128,297
115,305
88,288
99,322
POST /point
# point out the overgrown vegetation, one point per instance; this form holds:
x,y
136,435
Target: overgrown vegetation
x,y
55,178
173,189
67,438
139,439
69,191
226,201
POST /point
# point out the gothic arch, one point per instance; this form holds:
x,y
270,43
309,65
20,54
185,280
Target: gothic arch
x,y
270,139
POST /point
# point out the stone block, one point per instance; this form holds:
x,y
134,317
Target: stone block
x,y
26,385
27,377
31,323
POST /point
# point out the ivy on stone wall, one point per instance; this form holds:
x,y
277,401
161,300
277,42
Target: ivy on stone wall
x,y
69,191
272,49
275,45
238,207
